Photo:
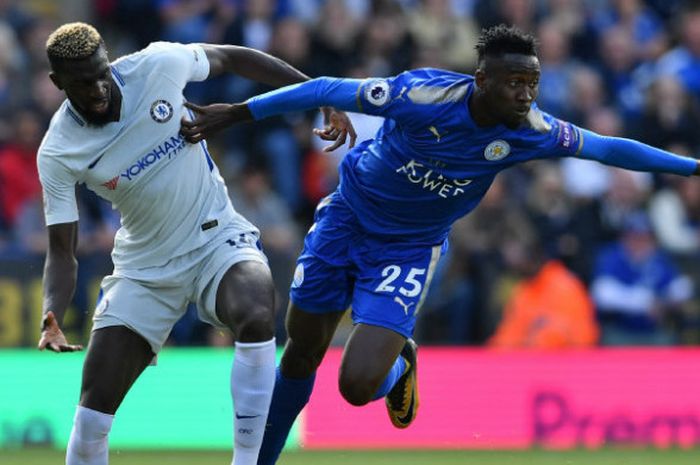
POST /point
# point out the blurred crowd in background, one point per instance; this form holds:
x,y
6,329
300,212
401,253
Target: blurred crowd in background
x,y
560,253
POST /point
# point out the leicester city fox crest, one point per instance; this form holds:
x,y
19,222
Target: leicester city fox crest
x,y
497,150
298,276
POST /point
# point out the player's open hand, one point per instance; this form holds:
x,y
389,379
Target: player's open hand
x,y
52,337
338,128
210,119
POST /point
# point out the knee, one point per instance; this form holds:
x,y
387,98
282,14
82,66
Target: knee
x,y
356,389
100,402
97,396
255,324
301,361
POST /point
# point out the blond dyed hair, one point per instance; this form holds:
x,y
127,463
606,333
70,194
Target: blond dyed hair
x,y
73,41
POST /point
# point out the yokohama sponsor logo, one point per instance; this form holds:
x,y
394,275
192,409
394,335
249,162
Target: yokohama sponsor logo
x,y
112,183
167,149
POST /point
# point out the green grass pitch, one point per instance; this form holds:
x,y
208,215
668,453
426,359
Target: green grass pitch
x,y
393,457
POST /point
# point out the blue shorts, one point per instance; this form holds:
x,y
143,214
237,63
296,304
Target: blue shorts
x,y
385,281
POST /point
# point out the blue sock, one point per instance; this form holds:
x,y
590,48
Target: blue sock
x,y
288,399
391,379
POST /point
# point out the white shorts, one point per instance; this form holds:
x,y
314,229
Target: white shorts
x,y
151,300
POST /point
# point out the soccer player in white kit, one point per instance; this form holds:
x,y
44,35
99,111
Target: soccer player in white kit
x,y
180,239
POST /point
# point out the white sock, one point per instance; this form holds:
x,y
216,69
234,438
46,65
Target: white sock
x,y
88,438
252,382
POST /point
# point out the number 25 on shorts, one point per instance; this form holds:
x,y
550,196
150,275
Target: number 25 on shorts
x,y
410,287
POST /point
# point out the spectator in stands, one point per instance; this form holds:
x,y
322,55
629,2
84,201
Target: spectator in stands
x,y
622,191
670,115
683,61
385,46
568,227
675,215
10,55
481,235
571,16
15,15
588,183
628,192
549,308
639,22
519,13
619,66
46,98
587,95
334,38
19,178
636,287
557,68
435,26
190,21
253,24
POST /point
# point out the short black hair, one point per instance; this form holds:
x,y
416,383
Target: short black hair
x,y
502,39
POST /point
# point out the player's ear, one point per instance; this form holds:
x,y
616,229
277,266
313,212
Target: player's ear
x,y
480,78
56,81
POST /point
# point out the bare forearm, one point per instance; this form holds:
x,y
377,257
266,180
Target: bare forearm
x,y
60,275
252,64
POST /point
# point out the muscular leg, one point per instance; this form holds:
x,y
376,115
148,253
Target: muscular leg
x,y
245,303
116,356
308,338
370,354
309,335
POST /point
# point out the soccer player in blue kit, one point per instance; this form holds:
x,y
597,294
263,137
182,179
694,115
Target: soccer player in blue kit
x,y
376,240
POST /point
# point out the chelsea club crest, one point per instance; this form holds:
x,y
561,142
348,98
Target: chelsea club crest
x,y
161,111
497,150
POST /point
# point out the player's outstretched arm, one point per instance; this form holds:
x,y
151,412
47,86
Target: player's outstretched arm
x,y
267,69
634,155
251,64
60,271
319,92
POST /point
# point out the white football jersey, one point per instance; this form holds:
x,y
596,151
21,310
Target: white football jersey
x,y
165,189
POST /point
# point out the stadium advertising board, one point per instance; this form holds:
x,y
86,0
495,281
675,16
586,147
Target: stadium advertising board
x,y
470,398
520,399
181,403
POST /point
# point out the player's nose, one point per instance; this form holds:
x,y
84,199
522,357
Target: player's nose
x,y
525,96
98,90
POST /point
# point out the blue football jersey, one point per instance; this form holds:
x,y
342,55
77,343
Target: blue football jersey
x,y
430,164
